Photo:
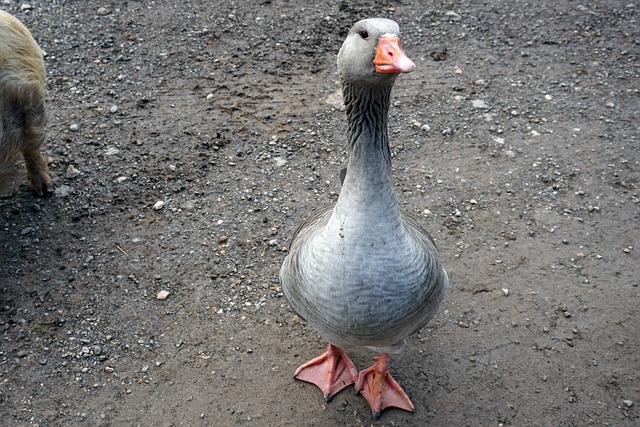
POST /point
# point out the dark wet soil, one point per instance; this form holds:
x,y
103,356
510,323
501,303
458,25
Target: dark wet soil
x,y
189,139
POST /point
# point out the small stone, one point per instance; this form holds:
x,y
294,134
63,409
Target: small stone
x,y
628,403
479,103
280,161
63,191
162,295
72,172
73,127
102,11
97,350
158,205
43,361
335,100
453,16
273,242
111,151
209,97
505,291
189,205
223,239
113,109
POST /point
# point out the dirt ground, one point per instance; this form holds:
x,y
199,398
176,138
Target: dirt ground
x,y
189,139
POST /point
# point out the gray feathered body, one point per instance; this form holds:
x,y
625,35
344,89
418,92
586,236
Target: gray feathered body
x,y
361,273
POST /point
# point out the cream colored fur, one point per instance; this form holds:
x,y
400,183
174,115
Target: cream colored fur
x,y
22,107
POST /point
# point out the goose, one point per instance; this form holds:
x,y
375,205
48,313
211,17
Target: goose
x,y
361,273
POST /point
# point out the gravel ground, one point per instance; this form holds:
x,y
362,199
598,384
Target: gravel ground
x,y
189,139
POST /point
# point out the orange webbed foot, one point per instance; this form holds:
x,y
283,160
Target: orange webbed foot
x,y
380,389
331,372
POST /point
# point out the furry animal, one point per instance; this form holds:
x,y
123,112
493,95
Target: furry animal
x,y
22,107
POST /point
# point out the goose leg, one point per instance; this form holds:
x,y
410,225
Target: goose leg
x,y
380,389
331,372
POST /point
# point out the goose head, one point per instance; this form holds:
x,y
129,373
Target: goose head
x,y
372,54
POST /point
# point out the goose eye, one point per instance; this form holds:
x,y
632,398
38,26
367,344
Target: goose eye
x,y
364,34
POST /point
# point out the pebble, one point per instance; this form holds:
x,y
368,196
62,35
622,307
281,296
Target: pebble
x,y
452,15
163,295
72,172
113,109
479,103
280,161
628,403
209,97
111,151
63,191
102,11
189,205
335,100
158,205
73,127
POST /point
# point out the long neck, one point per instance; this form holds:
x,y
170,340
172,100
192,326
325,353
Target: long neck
x,y
368,185
367,116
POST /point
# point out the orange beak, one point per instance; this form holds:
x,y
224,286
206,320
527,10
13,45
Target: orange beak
x,y
390,58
